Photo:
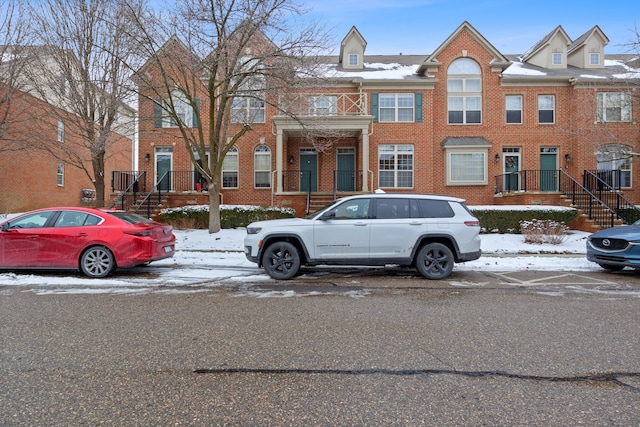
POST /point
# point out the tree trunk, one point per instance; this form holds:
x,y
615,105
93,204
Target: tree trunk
x,y
214,207
98,180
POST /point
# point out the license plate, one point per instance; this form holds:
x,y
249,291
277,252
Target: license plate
x,y
168,249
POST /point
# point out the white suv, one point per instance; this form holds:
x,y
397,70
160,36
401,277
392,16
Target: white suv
x,y
430,233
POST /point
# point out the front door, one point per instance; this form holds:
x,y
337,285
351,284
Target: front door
x,y
164,161
308,170
346,174
548,169
511,158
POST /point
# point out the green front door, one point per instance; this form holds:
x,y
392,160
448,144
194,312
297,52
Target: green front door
x,y
309,172
511,172
548,171
346,175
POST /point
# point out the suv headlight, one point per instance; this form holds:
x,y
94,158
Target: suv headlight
x,y
253,230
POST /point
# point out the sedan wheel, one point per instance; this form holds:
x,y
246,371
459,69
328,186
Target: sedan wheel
x,y
97,262
281,260
435,261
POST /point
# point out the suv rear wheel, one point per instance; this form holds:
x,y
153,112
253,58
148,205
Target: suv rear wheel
x,y
435,261
281,260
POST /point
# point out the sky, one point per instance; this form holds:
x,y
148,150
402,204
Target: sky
x,y
391,27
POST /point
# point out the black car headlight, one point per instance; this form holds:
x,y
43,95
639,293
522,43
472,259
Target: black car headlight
x,y
253,230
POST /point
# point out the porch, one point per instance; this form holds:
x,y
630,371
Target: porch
x,y
598,194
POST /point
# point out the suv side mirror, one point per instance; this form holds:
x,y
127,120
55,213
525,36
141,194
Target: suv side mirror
x,y
331,214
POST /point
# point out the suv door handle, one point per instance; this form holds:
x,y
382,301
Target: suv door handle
x,y
360,224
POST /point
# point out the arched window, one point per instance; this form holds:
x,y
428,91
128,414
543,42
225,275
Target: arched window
x,y
614,165
464,89
230,169
262,167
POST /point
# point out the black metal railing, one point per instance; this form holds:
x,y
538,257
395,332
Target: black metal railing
x,y
130,185
595,196
603,180
528,180
605,185
595,209
154,197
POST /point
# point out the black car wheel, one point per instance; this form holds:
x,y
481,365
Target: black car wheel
x,y
281,260
435,261
97,262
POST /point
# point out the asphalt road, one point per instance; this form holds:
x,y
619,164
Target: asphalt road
x,y
372,348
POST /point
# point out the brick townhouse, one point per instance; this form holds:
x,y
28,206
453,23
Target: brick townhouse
x,y
465,120
32,177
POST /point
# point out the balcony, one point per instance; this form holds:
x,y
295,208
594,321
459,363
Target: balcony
x,y
324,104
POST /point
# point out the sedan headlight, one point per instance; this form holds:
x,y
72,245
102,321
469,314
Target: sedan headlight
x,y
253,230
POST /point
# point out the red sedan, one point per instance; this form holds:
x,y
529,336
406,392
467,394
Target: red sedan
x,y
91,240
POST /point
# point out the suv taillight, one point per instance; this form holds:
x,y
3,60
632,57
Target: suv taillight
x,y
472,223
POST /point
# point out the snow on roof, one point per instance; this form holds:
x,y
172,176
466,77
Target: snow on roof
x,y
519,69
374,71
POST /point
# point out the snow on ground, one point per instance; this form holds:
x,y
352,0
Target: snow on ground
x,y
202,258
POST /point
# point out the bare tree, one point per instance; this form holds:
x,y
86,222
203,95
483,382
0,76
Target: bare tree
x,y
14,36
80,71
231,56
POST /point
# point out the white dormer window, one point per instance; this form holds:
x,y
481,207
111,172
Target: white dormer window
x,y
353,59
594,58
557,58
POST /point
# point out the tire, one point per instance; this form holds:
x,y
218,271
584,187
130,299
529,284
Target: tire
x,y
435,261
97,262
612,267
281,260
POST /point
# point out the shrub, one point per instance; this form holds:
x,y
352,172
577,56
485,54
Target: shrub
x,y
505,220
197,217
544,231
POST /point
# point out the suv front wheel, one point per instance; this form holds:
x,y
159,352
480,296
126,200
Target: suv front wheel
x,y
435,261
281,260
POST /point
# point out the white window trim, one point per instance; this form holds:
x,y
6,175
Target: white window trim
x,y
507,109
396,170
323,105
60,175
60,130
397,107
553,109
182,107
259,154
450,181
232,152
626,104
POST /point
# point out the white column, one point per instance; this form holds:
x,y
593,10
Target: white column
x,y
279,160
365,159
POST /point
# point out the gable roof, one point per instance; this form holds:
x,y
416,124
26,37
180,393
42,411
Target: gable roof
x,y
353,32
499,59
582,40
168,49
545,41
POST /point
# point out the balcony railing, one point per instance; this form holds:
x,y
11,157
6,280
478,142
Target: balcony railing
x,y
324,104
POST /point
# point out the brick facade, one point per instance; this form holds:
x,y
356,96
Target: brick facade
x,y
574,132
30,175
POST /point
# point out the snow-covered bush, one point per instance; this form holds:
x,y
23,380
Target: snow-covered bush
x,y
544,231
